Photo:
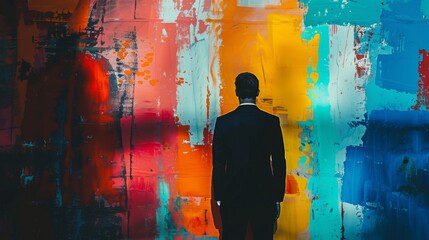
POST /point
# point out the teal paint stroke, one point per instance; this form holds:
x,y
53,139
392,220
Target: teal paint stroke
x,y
362,12
164,221
26,179
424,7
323,185
338,103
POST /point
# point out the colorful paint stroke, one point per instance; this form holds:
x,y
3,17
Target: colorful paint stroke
x,y
107,109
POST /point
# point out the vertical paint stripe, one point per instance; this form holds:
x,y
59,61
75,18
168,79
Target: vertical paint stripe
x,y
163,219
194,85
323,185
423,91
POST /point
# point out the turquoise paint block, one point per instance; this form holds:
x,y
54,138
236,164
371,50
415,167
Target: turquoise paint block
x,y
163,218
325,218
362,12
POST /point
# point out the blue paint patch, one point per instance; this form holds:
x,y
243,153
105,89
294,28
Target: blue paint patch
x,y
388,175
405,30
26,178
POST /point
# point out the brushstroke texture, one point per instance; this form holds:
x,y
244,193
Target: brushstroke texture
x,y
107,109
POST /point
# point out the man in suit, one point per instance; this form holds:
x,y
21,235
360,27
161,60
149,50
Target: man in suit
x,y
249,166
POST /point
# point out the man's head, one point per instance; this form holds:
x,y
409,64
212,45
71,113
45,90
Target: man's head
x,y
246,86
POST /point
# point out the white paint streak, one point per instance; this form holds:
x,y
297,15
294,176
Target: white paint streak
x,y
346,89
214,76
258,3
347,100
198,96
168,11
353,218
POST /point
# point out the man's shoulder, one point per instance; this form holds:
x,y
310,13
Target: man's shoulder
x,y
227,115
223,118
236,114
268,115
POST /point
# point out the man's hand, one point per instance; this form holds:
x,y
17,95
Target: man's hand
x,y
277,210
218,203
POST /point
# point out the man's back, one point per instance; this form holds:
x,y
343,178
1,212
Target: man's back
x,y
244,143
249,166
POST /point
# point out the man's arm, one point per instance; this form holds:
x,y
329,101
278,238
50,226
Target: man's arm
x,y
219,161
279,162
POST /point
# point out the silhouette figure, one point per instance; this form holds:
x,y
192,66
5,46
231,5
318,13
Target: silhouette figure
x,y
249,166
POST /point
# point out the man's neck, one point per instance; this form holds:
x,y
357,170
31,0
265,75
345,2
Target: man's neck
x,y
247,101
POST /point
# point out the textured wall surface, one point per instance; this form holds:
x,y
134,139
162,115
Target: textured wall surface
x,y
107,109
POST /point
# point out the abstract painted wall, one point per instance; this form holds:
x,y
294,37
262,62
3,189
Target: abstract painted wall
x,y
107,109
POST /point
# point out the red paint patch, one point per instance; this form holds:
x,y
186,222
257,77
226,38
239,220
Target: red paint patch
x,y
361,58
202,27
292,185
423,92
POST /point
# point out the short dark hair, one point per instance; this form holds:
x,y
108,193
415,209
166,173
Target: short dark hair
x,y
246,85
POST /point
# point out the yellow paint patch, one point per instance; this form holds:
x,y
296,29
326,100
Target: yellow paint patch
x,y
268,43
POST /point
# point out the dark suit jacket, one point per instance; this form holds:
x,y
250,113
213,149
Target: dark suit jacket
x,y
244,141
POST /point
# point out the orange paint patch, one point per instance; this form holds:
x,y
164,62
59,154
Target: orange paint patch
x,y
193,183
126,43
122,54
180,81
153,82
140,74
128,72
145,64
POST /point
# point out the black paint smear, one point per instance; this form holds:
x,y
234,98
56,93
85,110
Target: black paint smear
x,y
30,206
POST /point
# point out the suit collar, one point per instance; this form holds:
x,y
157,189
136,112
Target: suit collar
x,y
245,107
247,104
